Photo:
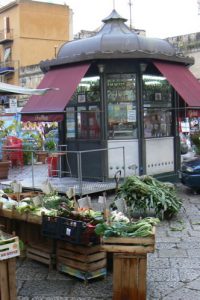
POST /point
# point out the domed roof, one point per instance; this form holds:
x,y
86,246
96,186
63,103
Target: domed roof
x,y
115,36
114,40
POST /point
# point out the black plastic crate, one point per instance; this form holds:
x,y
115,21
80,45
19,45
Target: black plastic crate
x,y
50,226
77,232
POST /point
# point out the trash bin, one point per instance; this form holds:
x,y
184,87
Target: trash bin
x,y
52,162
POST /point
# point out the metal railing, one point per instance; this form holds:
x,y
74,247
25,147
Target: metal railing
x,y
33,173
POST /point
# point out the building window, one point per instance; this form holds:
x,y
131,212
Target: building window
x,y
157,101
121,99
7,54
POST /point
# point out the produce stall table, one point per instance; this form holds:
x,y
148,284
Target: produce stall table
x,y
28,228
48,241
129,265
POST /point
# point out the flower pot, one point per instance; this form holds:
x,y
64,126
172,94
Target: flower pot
x,y
41,156
4,168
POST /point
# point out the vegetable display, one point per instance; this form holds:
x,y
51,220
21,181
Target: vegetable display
x,y
145,193
139,193
141,228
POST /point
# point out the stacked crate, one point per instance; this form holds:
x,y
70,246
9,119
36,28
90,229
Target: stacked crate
x,y
82,261
78,250
9,250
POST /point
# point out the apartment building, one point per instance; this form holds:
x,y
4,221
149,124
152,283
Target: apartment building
x,y
30,31
189,45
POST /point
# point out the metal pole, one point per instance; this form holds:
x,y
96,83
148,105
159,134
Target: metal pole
x,y
80,179
32,172
130,4
124,163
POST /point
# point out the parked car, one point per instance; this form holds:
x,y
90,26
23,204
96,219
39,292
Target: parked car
x,y
190,174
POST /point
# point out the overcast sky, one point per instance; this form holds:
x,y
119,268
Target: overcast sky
x,y
160,18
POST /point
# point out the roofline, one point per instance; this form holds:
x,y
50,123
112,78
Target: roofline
x,y
60,62
17,2
9,5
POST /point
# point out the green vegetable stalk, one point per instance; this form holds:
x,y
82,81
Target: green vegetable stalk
x,y
145,193
141,228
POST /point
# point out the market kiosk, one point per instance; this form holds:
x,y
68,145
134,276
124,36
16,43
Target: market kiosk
x,y
118,91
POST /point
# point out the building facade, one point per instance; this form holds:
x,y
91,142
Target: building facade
x,y
30,32
189,44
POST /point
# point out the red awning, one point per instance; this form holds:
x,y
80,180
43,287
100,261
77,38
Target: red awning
x,y
183,81
55,101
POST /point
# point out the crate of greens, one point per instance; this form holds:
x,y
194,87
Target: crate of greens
x,y
9,246
128,237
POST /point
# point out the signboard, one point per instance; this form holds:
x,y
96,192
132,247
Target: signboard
x,y
42,117
131,115
13,105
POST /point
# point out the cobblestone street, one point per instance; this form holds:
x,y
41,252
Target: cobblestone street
x,y
173,270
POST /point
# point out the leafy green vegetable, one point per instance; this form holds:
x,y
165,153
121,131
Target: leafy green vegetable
x,y
145,193
141,228
54,200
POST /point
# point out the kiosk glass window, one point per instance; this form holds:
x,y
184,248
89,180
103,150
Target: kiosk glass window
x,y
83,113
88,122
82,122
70,122
87,91
121,99
157,101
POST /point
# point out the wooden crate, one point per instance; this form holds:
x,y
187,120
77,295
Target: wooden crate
x,y
42,253
134,245
84,262
8,290
9,247
34,219
6,213
129,276
21,196
19,216
14,214
129,265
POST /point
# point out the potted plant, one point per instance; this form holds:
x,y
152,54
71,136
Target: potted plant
x,y
37,138
195,138
50,145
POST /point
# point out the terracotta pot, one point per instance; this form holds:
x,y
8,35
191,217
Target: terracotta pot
x,y
4,168
41,156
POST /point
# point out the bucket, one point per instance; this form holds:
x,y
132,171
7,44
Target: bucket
x,y
52,166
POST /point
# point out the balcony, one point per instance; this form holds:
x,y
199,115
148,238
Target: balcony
x,y
5,36
7,67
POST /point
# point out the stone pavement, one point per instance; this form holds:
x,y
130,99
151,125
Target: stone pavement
x,y
173,270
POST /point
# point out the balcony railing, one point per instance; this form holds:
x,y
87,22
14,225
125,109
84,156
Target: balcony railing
x,y
6,36
7,67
